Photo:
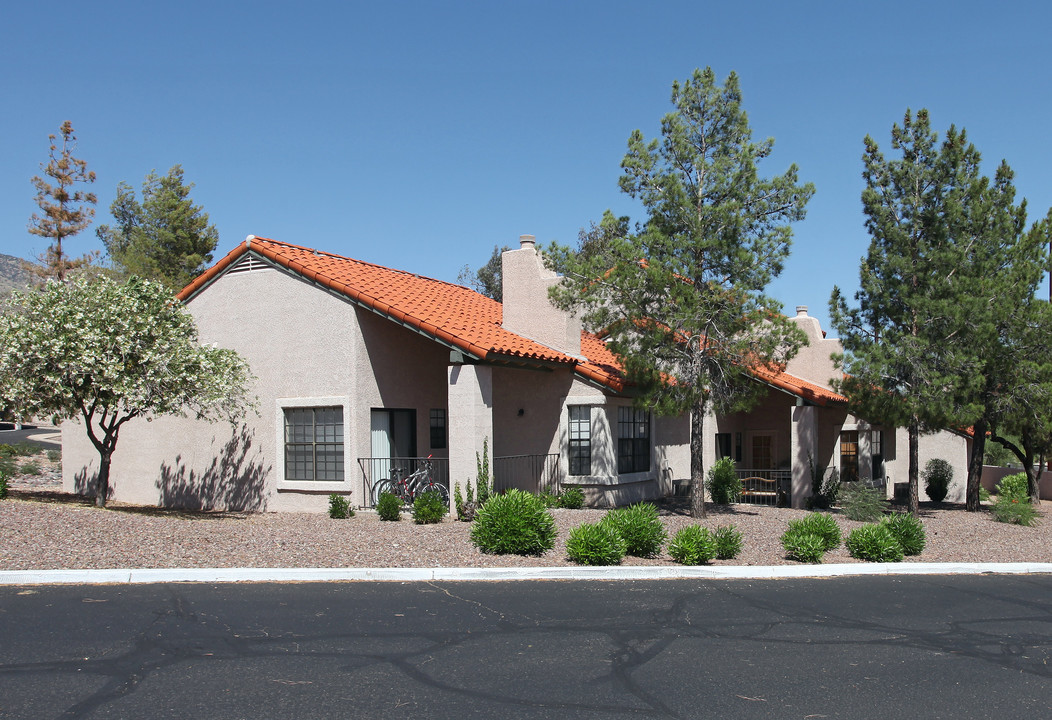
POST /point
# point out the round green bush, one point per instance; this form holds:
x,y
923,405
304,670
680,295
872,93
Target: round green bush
x,y
875,543
908,530
692,545
389,506
937,476
803,546
822,525
1013,486
725,486
428,508
728,542
595,544
572,499
515,523
640,528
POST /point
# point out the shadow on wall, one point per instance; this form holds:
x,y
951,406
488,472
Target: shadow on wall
x,y
234,481
86,481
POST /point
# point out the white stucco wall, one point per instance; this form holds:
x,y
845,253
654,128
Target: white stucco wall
x,y
306,347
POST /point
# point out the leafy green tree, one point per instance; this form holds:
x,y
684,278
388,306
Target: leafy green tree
x,y
107,352
1004,326
165,237
904,357
1017,411
680,300
488,279
65,210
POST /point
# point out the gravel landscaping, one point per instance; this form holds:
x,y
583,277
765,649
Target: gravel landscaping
x,y
43,529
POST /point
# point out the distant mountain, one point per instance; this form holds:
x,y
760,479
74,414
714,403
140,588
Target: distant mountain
x,y
13,274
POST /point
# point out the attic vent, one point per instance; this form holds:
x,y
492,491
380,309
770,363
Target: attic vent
x,y
247,264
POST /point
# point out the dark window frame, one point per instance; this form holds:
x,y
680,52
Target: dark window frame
x,y
314,449
633,440
439,432
580,439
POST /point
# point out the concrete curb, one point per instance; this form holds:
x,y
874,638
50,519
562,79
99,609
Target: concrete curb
x,y
663,572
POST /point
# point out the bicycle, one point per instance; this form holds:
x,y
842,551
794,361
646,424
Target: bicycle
x,y
408,487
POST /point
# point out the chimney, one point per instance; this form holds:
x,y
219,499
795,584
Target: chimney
x,y
527,309
801,311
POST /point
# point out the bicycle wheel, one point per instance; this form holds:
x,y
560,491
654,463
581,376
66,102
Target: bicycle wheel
x,y
380,488
439,490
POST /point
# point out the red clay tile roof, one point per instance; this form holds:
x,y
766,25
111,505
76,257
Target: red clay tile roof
x,y
799,387
452,314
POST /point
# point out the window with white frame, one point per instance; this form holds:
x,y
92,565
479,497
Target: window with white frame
x,y
633,440
580,439
314,444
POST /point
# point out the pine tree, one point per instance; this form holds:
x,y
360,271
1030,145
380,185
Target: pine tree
x,y
165,237
680,300
905,360
65,210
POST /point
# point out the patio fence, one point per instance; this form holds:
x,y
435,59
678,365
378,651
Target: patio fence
x,y
532,473
766,487
376,469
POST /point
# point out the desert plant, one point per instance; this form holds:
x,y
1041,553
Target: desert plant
x,y
3,484
514,523
725,487
862,503
1013,486
874,542
1017,510
458,501
937,476
389,506
803,546
907,530
820,524
984,494
548,499
30,468
339,507
728,542
640,528
825,488
482,477
807,539
54,455
428,508
572,498
595,544
692,545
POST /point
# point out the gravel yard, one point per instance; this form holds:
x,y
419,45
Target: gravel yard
x,y
42,529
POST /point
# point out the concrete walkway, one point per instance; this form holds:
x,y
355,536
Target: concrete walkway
x,y
724,572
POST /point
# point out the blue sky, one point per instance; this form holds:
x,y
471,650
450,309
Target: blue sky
x,y
418,135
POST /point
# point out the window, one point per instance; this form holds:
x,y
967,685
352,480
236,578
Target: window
x,y
314,444
633,440
849,456
876,446
580,439
438,428
723,445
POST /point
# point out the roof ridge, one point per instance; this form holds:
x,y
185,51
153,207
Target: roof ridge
x,y
337,256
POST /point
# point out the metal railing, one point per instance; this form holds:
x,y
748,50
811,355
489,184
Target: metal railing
x,y
532,473
376,469
766,487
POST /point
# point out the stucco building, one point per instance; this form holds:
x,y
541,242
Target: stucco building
x,y
360,369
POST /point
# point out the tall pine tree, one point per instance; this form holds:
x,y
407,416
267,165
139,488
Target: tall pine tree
x,y
165,237
65,209
681,301
903,359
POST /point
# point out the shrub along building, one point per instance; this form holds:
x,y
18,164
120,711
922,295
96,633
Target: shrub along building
x,y
361,370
